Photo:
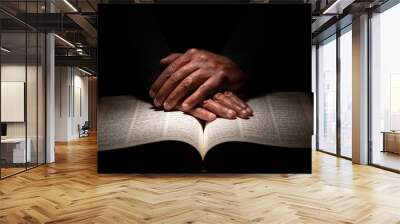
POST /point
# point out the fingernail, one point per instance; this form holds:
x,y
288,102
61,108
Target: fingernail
x,y
151,93
250,111
218,96
185,107
211,117
156,103
167,106
231,114
243,114
228,93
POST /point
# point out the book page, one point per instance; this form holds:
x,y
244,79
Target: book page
x,y
126,121
280,119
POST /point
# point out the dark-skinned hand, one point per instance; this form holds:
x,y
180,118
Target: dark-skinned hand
x,y
193,77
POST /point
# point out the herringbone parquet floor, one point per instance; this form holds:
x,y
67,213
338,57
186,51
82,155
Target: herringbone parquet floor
x,y
71,191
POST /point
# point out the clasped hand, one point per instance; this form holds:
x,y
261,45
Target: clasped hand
x,y
202,84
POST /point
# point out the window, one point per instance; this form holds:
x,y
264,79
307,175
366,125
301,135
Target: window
x,y
334,106
22,77
327,95
346,92
385,88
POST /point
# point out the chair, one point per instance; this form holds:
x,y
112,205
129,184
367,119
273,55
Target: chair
x,y
84,130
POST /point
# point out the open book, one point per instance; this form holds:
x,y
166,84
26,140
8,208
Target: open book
x,y
133,136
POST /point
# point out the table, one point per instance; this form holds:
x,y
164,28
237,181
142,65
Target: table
x,y
13,150
391,141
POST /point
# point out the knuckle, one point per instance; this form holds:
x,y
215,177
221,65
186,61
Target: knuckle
x,y
187,83
207,102
218,96
222,70
173,68
202,73
193,50
225,110
218,72
174,78
168,72
212,64
203,56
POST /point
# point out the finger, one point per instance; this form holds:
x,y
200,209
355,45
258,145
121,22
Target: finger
x,y
181,77
200,113
250,111
219,109
231,104
205,90
227,101
235,98
203,114
170,58
239,101
173,67
184,88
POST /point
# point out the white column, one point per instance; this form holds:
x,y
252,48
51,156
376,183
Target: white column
x,y
314,91
50,92
50,99
360,90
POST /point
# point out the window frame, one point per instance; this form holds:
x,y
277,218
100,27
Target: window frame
x,y
334,37
380,9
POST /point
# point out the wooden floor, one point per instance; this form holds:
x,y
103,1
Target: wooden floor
x,y
387,159
5,172
71,191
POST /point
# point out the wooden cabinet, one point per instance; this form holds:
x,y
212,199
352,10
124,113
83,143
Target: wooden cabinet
x,y
391,142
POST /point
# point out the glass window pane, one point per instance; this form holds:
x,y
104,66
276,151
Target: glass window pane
x,y
327,96
31,97
346,94
385,87
14,153
22,88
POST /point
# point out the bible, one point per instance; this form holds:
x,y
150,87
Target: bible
x,y
135,137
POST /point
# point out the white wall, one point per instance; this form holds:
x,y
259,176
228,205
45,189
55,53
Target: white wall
x,y
14,72
33,127
62,81
80,84
71,87
17,72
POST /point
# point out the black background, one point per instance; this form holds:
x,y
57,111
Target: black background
x,y
133,38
